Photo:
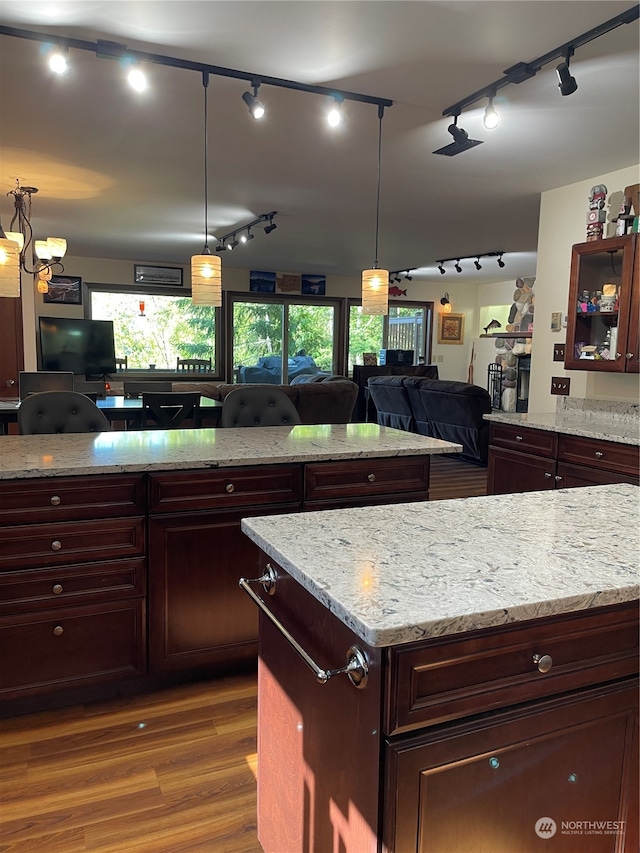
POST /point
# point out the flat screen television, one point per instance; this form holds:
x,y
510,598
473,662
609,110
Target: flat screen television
x,y
84,347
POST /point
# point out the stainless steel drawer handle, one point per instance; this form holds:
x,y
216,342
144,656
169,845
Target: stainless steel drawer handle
x,y
58,631
229,488
547,474
57,588
356,667
599,454
543,662
371,478
519,438
55,500
56,545
558,478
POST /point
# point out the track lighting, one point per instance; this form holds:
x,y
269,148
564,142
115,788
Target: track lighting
x,y
491,117
335,116
244,238
457,267
136,77
58,61
270,227
441,269
461,141
221,247
254,106
477,263
501,263
408,277
566,83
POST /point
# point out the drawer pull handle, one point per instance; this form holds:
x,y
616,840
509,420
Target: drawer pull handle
x,y
371,478
55,500
356,667
543,662
558,478
519,438
547,474
599,454
629,355
56,545
57,588
229,488
58,631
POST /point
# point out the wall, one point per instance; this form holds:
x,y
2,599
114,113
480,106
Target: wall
x,y
452,359
563,213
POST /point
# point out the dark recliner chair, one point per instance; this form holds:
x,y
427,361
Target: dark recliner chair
x,y
258,405
52,412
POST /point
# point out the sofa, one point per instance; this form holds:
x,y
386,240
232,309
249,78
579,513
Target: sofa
x,y
452,411
268,370
320,402
365,408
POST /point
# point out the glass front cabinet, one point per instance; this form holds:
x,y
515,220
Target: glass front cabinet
x,y
604,303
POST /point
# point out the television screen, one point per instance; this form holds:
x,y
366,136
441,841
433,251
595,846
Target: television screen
x,y
84,347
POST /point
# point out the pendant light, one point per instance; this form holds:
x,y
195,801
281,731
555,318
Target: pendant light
x,y
375,282
9,266
206,272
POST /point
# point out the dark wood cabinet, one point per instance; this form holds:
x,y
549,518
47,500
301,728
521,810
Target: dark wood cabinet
x,y
522,459
602,331
456,743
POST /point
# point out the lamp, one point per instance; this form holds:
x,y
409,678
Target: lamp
x,y
254,106
375,282
270,227
461,141
566,83
477,263
46,253
441,269
457,266
335,116
206,269
491,118
446,305
9,266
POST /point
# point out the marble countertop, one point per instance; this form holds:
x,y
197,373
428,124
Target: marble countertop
x,y
625,432
23,456
395,574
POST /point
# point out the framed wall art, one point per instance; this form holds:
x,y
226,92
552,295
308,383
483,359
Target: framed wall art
x,y
451,329
64,290
144,274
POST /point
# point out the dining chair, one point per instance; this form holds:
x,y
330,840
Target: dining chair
x,y
175,410
49,412
122,363
193,365
258,405
136,389
31,382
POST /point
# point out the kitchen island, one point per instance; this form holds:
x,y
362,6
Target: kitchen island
x,y
491,700
120,552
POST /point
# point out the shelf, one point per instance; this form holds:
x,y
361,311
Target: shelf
x,y
509,335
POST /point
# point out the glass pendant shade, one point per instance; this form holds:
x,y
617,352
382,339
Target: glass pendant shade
x,y
17,237
375,291
57,247
43,285
42,250
9,267
446,308
206,280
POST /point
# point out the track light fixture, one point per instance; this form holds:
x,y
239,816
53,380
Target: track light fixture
x,y
58,60
254,106
136,77
399,275
458,268
243,234
335,116
566,83
522,71
491,118
461,141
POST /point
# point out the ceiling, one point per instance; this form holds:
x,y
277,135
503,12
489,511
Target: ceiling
x,y
121,174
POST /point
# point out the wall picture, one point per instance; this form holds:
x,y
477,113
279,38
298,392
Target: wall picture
x,y
313,285
262,282
451,329
64,290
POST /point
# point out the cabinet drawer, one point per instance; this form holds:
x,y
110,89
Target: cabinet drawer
x,y
366,477
445,680
67,498
71,646
82,583
70,541
599,454
537,441
225,488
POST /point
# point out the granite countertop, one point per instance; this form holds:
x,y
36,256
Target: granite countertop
x,y
599,419
23,456
395,574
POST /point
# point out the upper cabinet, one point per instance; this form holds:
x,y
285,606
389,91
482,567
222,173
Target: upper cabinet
x,y
604,301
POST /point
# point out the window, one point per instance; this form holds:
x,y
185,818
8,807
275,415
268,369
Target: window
x,y
408,327
154,328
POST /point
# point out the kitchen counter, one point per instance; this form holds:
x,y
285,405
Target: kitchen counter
x,y
397,574
175,450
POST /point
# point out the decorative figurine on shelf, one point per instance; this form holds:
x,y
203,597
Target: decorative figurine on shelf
x,y
596,216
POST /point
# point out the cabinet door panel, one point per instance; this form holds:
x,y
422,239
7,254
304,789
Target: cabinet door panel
x,y
509,472
366,478
538,442
484,785
579,475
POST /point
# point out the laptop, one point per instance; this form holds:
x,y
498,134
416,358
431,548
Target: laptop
x,y
44,380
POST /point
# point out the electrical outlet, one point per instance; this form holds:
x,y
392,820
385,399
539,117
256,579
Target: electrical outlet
x,y
440,359
560,385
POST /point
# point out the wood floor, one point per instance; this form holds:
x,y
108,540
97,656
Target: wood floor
x,y
168,772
